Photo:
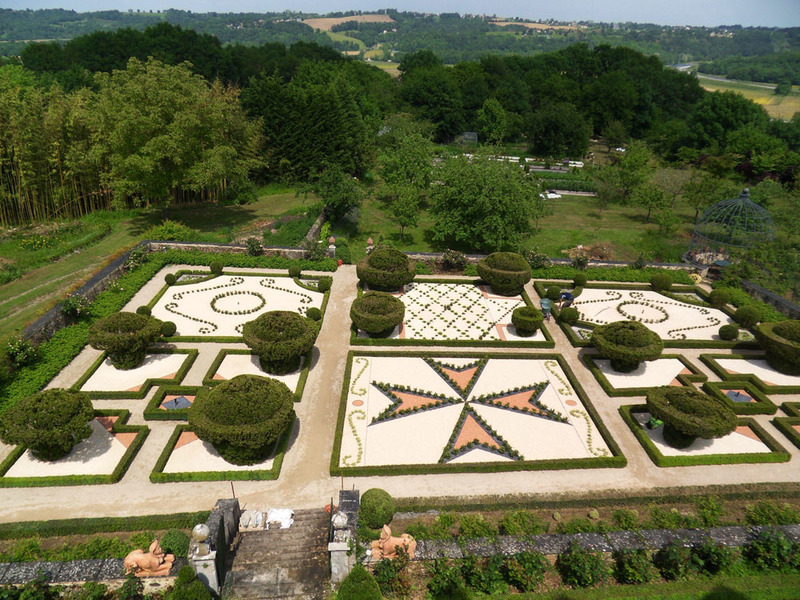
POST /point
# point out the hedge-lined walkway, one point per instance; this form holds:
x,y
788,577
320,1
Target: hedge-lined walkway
x,y
305,481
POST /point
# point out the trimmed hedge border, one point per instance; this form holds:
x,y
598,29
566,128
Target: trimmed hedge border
x,y
686,380
762,405
209,381
711,362
616,460
786,424
153,412
119,426
157,475
777,453
233,339
148,383
548,343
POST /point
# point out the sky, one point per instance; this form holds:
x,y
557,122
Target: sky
x,y
769,13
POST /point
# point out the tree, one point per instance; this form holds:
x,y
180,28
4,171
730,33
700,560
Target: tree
x,y
433,95
609,189
703,189
649,196
614,134
492,121
672,181
482,204
339,191
558,130
49,423
633,167
404,207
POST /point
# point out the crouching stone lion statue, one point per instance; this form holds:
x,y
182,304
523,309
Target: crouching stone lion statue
x,y
387,546
149,564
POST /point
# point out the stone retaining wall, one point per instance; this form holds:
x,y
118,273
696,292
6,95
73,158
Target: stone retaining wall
x,y
790,309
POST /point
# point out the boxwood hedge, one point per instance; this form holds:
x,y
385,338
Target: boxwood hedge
x,y
626,344
386,269
125,336
527,320
781,340
280,338
691,413
377,313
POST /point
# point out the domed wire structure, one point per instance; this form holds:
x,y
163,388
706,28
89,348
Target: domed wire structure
x,y
736,223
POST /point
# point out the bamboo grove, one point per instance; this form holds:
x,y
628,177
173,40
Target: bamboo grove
x,y
149,133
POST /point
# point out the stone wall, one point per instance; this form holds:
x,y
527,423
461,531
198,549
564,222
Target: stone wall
x,y
790,309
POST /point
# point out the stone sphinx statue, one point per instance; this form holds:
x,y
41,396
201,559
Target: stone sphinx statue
x,y
386,546
149,564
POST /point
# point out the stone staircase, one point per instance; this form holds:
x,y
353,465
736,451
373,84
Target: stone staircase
x,y
282,564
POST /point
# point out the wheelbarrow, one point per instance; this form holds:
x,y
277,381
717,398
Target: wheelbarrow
x,y
547,305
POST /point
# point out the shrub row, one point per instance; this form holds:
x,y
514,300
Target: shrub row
x,y
621,274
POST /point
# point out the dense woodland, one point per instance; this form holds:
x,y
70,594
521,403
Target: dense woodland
x,y
166,115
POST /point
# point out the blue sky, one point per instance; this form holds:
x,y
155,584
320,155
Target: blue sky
x,y
770,13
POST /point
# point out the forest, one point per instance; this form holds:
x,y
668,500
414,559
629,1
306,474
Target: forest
x,y
168,116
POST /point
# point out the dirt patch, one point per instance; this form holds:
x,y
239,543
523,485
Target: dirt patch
x,y
325,24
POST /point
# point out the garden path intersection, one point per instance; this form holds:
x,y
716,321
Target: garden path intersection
x,y
305,479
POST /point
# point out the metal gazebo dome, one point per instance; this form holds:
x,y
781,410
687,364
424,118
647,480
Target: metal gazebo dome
x,y
736,223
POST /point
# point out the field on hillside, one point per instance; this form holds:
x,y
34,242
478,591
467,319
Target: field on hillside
x,y
533,25
325,23
778,107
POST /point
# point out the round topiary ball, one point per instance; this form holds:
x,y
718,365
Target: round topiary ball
x,y
626,344
243,417
359,585
781,340
377,508
553,293
661,282
49,422
579,280
280,338
386,269
324,284
526,320
216,267
747,316
569,315
125,336
143,310
314,313
377,313
718,298
170,279
691,412
294,271
729,332
506,272
168,328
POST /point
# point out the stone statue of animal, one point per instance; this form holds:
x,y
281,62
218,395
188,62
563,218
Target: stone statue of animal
x,y
145,564
387,545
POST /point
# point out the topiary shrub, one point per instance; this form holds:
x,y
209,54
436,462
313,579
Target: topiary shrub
x,y
729,332
243,417
280,338
746,316
579,280
324,284
385,269
553,293
377,508
188,586
314,313
359,585
506,272
781,340
626,344
718,298
168,328
526,320
377,313
569,315
143,310
170,279
294,271
579,567
125,336
49,423
175,542
690,412
216,267
661,282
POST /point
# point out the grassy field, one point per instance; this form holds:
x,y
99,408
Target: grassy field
x,y
338,36
325,23
575,220
778,107
25,299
